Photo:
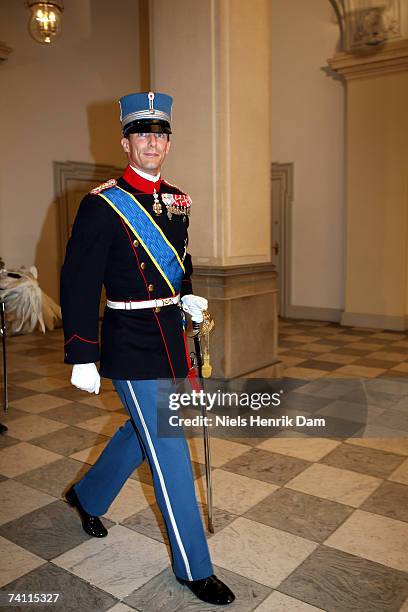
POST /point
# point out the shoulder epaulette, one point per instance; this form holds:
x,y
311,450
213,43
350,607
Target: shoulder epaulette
x,y
175,186
111,183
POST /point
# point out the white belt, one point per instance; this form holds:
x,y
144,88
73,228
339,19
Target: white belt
x,y
168,301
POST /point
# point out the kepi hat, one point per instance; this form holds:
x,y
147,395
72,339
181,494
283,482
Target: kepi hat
x,y
146,112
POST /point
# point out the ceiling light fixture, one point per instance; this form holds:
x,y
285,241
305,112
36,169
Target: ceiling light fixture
x,y
45,20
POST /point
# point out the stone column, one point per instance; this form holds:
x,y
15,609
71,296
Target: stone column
x,y
213,56
377,185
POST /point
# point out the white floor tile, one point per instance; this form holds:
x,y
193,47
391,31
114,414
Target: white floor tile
x,y
259,552
118,564
17,499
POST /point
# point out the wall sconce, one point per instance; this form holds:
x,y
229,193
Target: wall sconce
x,y
367,22
45,20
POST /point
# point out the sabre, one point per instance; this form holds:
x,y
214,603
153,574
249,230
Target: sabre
x,y
207,448
3,340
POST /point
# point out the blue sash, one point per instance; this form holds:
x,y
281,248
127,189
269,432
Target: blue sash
x,y
161,251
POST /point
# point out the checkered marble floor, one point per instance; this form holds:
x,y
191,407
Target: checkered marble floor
x,y
301,523
314,349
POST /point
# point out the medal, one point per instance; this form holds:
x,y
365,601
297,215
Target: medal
x,y
176,204
157,207
168,200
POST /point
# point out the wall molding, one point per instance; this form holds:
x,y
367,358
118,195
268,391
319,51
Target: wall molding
x,y
348,319
314,313
358,319
283,174
235,270
67,175
387,59
4,51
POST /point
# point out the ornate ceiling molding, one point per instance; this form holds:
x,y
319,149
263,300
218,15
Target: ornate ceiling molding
x,y
4,51
390,58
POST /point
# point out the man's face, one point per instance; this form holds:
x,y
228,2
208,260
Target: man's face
x,y
146,151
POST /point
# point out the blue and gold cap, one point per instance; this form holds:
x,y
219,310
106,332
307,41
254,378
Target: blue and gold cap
x,y
146,112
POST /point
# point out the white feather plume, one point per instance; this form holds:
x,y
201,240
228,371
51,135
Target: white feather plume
x,y
27,306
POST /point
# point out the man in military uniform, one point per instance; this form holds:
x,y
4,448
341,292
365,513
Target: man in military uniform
x,y
130,235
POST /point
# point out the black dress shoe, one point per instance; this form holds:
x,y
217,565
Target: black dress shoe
x,y
211,590
3,428
91,524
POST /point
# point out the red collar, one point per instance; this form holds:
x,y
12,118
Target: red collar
x,y
138,182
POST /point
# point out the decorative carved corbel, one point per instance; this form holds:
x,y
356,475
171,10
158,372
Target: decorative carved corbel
x,y
365,23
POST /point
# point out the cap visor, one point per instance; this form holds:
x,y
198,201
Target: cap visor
x,y
152,125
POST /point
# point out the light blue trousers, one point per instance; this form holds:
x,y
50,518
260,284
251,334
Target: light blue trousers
x,y
170,464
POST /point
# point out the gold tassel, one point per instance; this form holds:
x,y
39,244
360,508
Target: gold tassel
x,y
207,367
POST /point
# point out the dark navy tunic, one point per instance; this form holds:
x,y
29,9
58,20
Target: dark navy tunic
x,y
102,250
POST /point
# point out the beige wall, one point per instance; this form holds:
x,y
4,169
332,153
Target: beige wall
x,y
58,103
377,269
308,130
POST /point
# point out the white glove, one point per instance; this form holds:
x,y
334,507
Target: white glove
x,y
86,377
194,306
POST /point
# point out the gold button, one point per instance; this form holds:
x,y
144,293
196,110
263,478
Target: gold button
x,y
143,265
136,243
150,287
157,309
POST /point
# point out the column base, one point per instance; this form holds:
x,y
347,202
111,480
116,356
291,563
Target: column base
x,y
243,303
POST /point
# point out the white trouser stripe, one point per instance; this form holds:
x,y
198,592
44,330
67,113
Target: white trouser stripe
x,y
163,484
